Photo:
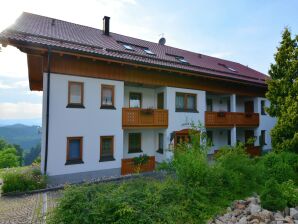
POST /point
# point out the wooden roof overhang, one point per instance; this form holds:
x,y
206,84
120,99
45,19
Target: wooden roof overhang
x,y
71,62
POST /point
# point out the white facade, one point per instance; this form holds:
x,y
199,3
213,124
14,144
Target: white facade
x,y
92,122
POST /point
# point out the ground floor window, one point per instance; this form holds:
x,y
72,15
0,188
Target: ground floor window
x,y
229,137
210,138
134,142
106,148
263,137
74,150
160,143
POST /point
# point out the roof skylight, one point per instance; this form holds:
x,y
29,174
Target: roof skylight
x,y
127,47
231,69
227,67
149,51
183,60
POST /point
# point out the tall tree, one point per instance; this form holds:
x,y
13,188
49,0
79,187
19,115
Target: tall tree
x,y
283,94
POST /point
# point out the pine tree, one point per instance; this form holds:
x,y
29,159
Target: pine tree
x,y
283,94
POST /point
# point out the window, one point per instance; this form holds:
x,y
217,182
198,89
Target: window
x,y
210,137
106,148
107,97
263,104
227,67
228,104
149,51
160,143
134,142
229,137
186,102
263,137
135,100
181,59
75,94
127,47
209,105
160,101
74,150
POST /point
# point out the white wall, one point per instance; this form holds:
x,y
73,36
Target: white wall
x,y
219,103
220,138
148,96
183,120
149,141
90,122
266,123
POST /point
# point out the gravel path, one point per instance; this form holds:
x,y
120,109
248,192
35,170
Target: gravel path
x,y
27,208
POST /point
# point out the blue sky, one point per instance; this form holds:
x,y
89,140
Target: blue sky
x,y
246,31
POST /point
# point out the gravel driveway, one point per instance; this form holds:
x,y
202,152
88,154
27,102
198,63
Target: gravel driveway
x,y
27,208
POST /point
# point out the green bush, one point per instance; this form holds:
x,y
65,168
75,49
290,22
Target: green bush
x,y
272,197
290,193
280,166
23,180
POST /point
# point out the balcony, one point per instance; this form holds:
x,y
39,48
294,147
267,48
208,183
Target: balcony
x,y
231,119
144,118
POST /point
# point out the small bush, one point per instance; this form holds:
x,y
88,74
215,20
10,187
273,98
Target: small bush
x,y
23,180
280,166
290,193
272,197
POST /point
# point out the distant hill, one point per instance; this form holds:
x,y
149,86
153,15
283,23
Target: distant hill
x,y
23,135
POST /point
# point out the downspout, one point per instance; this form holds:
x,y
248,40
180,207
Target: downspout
x,y
47,112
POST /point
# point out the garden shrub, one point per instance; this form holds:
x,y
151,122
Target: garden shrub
x,y
23,180
290,193
272,197
280,166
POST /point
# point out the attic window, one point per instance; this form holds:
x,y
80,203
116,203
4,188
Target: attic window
x,y
227,67
231,69
127,47
148,51
183,60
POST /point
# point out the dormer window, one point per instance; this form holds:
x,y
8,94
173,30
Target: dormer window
x,y
127,47
148,51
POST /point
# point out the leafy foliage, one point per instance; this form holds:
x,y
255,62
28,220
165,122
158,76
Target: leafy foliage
x,y
272,196
9,155
283,94
23,180
185,196
32,155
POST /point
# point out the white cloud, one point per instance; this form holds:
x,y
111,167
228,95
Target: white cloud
x,y
22,110
5,86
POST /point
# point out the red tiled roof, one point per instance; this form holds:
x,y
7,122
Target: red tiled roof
x,y
39,30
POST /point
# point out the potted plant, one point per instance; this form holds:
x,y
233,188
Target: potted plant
x,y
221,114
140,161
147,111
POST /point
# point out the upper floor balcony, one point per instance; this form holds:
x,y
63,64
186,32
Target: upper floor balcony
x,y
144,118
144,108
231,110
231,119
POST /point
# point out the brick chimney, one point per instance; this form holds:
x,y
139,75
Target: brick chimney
x,y
106,25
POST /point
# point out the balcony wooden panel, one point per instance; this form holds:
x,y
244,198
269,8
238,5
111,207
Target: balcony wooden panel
x,y
144,118
231,119
128,166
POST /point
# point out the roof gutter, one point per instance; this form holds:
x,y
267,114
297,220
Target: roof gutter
x,y
47,112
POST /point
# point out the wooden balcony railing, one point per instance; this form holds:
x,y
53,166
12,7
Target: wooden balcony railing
x,y
128,166
138,117
230,119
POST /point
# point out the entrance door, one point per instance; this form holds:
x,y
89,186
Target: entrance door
x,y
248,134
249,107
